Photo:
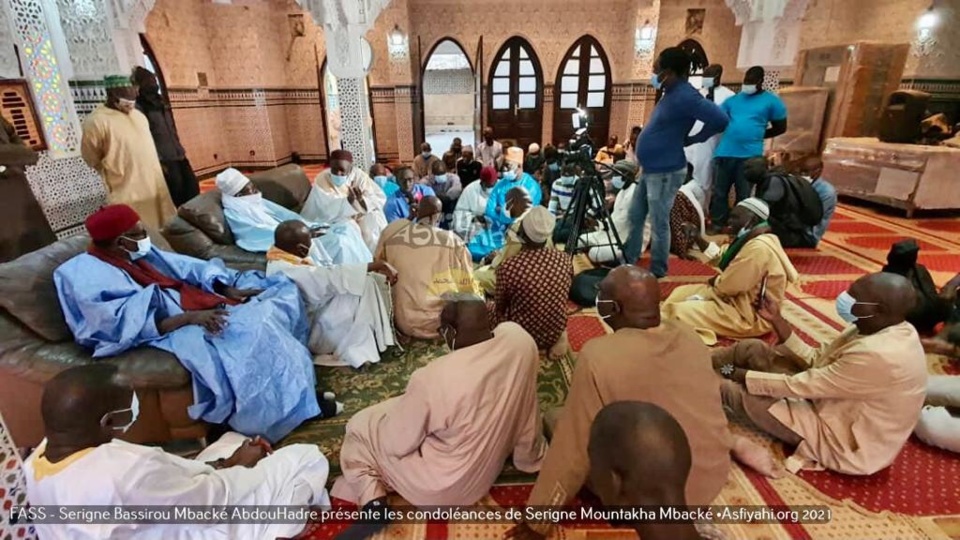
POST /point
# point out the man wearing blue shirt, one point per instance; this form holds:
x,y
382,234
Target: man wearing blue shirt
x,y
402,204
750,112
660,154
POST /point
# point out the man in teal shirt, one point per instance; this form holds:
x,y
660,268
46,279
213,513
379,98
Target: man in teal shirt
x,y
754,115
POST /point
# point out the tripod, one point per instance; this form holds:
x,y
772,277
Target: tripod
x,y
589,192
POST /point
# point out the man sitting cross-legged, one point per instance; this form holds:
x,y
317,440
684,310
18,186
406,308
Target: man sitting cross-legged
x,y
724,305
532,287
80,463
350,315
252,220
851,405
445,440
659,361
241,335
430,262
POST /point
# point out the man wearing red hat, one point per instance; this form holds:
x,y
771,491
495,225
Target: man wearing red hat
x,y
241,335
344,193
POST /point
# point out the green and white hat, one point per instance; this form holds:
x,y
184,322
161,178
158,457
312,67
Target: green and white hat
x,y
117,81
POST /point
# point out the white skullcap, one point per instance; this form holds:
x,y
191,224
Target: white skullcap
x,y
533,148
538,224
231,181
757,206
467,148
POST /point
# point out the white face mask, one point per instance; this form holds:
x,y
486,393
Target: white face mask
x,y
749,89
426,155
143,247
617,182
440,178
126,105
253,198
338,179
510,175
599,301
134,413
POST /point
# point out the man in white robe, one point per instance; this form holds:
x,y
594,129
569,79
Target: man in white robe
x,y
80,463
468,218
700,155
344,193
348,307
253,220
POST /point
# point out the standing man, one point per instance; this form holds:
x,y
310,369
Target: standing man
x,y
490,151
177,171
468,168
660,153
701,155
118,145
456,147
423,162
26,228
750,112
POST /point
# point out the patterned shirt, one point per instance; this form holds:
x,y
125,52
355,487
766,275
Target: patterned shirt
x,y
532,289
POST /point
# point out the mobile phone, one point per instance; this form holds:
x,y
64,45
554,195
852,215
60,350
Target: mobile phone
x,y
763,289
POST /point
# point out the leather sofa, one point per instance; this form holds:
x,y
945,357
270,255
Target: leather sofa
x,y
200,230
36,344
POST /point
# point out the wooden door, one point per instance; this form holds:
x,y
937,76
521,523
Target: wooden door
x,y
516,94
583,82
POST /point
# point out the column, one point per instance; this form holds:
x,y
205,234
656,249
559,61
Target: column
x,y
355,121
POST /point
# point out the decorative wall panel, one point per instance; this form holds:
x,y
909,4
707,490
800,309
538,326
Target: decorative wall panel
x,y
89,36
67,190
9,65
448,81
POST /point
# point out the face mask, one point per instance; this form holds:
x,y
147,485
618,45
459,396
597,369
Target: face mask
x,y
134,413
749,89
655,81
486,190
426,155
845,303
380,180
510,175
440,178
567,180
707,84
338,179
743,232
126,105
143,247
598,301
255,198
554,166
617,182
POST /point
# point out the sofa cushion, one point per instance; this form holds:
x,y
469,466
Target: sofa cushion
x,y
27,291
205,212
287,186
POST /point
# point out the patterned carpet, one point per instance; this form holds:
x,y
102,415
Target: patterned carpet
x,y
917,497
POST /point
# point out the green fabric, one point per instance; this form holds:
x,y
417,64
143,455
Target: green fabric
x,y
734,249
117,81
374,383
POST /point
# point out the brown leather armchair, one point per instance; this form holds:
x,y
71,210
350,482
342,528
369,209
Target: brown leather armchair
x,y
200,230
36,344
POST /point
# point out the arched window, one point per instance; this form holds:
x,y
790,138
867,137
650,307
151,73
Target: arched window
x,y
516,94
583,81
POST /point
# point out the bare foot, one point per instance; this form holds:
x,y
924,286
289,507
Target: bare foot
x,y
758,458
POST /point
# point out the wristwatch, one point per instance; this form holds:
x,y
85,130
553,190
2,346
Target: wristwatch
x,y
727,371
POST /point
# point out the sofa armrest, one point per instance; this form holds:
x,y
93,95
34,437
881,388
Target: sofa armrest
x,y
25,355
186,239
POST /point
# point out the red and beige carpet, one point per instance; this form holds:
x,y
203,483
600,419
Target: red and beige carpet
x,y
918,497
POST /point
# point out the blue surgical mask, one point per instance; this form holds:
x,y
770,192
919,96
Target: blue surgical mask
x,y
655,81
134,414
143,247
617,182
510,175
749,89
554,166
440,178
338,179
568,180
707,84
845,303
381,180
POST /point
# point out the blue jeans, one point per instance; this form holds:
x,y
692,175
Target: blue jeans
x,y
654,194
728,172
